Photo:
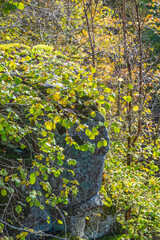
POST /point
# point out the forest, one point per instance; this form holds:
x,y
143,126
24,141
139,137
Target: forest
x,y
72,72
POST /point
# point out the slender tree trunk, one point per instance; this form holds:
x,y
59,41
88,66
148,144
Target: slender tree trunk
x,y
90,31
129,78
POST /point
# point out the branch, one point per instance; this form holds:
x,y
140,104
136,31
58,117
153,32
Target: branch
x,y
11,25
39,233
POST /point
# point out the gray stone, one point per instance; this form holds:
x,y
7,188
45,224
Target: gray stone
x,y
92,219
89,167
38,219
88,172
100,221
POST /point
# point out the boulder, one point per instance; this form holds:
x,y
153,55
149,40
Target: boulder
x,y
88,172
89,168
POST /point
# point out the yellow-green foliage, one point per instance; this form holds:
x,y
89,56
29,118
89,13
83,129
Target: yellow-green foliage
x,y
43,47
13,45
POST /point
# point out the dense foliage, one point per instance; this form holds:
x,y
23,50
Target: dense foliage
x,y
56,56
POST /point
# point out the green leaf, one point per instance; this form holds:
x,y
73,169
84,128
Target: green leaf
x,y
72,162
107,106
3,192
32,178
3,172
41,207
23,146
106,124
18,209
105,143
60,162
57,173
84,147
88,132
127,98
91,147
4,138
93,70
17,80
1,68
95,131
116,129
1,226
99,144
130,86
1,126
28,199
60,222
37,203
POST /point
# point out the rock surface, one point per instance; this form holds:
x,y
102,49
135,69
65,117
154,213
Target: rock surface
x,y
88,172
89,167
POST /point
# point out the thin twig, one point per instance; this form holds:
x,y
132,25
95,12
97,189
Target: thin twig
x,y
39,233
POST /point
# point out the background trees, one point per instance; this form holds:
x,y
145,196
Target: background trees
x,y
116,45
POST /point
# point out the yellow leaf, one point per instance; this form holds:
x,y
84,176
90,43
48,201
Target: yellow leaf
x,y
60,222
135,108
57,119
90,77
50,125
53,125
6,179
44,133
120,79
93,114
56,96
101,97
8,38
72,93
84,33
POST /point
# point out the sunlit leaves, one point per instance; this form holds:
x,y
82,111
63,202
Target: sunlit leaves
x,y
91,134
3,192
135,108
59,221
102,143
1,126
127,98
17,80
50,125
56,96
18,209
3,172
1,227
72,162
116,129
20,6
93,114
32,179
130,86
1,68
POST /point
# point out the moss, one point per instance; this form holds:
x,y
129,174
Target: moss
x,y
43,47
13,45
76,238
115,237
